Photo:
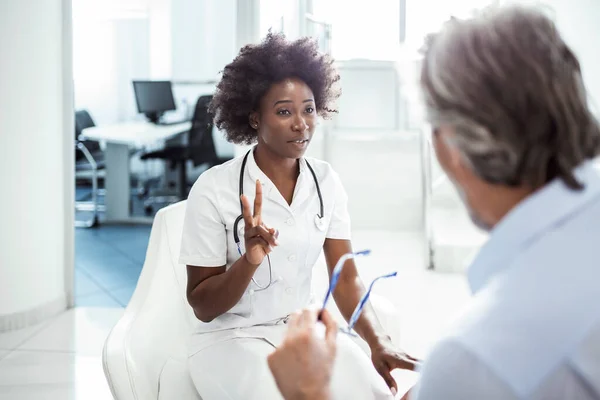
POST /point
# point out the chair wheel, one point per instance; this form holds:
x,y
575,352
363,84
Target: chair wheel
x,y
148,210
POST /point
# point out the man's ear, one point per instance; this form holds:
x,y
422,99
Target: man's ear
x,y
449,154
253,120
461,168
455,157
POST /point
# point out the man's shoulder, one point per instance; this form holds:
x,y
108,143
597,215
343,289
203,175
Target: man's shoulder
x,y
520,336
453,372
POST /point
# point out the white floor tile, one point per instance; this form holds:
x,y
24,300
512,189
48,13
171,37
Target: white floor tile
x,y
84,285
80,330
12,339
43,392
101,299
123,295
50,375
22,368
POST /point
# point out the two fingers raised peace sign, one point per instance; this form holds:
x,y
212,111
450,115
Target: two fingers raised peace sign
x,y
259,239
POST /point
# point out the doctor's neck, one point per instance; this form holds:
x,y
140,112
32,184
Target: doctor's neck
x,y
275,166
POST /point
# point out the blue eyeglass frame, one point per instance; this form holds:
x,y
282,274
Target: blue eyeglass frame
x,y
335,276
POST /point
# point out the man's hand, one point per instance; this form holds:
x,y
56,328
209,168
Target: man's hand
x,y
386,358
303,364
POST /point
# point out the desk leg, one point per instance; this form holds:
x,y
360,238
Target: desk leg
x,y
117,182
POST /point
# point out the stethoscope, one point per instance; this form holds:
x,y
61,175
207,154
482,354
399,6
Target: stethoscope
x,y
318,218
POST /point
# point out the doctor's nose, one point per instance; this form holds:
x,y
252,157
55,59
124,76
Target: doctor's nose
x,y
300,125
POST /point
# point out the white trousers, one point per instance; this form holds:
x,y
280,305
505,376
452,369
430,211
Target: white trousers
x,y
232,365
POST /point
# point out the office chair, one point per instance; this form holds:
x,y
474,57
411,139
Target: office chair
x,y
89,163
199,148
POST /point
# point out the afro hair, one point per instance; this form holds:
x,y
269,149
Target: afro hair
x,y
256,68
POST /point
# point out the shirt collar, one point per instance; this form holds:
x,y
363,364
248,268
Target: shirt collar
x,y
256,173
253,171
527,221
269,190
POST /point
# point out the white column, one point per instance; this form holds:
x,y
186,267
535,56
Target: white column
x,y
36,161
248,22
160,38
248,32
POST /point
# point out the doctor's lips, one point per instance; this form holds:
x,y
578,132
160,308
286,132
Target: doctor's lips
x,y
301,140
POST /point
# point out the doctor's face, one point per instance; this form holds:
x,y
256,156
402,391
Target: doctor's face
x,y
287,118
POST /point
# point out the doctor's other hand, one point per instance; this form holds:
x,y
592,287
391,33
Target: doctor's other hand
x,y
303,364
386,358
259,239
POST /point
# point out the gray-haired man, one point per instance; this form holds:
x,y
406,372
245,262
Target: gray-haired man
x,y
513,132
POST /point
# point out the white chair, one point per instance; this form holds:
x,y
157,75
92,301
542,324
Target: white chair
x,y
145,355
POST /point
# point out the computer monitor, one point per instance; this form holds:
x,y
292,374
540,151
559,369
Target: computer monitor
x,y
153,98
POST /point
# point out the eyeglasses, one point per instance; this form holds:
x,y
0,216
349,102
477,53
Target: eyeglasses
x,y
335,276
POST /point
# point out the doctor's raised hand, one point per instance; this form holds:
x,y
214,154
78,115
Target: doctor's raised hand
x,y
259,239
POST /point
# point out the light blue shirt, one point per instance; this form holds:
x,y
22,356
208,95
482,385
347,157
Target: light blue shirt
x,y
532,330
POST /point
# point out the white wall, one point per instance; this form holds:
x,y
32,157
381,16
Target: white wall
x,y
132,47
36,151
159,30
381,173
203,35
95,66
578,21
371,99
109,52
181,40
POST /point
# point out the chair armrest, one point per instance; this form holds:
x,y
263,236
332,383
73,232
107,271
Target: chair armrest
x,y
153,328
86,153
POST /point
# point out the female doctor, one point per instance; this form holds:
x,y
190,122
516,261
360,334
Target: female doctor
x,y
254,227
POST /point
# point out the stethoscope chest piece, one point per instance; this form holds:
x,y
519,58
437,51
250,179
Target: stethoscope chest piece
x,y
319,223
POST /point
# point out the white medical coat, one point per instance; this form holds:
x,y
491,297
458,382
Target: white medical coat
x,y
212,208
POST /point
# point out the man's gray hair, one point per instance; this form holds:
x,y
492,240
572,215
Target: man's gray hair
x,y
512,89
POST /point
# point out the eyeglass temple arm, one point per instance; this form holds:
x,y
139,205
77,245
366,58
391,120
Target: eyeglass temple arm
x,y
337,270
364,299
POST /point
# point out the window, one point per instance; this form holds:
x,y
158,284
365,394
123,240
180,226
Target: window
x,y
364,30
109,9
275,15
427,16
371,30
110,47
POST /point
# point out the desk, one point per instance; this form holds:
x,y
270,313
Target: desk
x,y
119,138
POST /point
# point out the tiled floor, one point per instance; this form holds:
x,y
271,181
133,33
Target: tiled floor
x,y
108,262
58,359
61,358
